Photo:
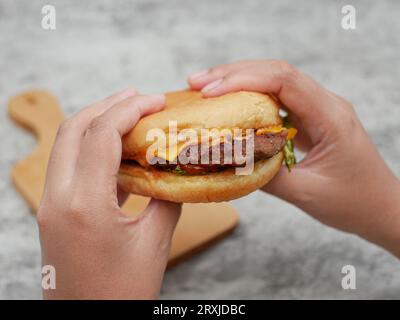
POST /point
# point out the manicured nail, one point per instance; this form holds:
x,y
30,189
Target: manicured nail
x,y
199,74
212,85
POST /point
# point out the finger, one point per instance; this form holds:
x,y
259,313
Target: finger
x,y
87,114
158,224
313,104
100,152
200,79
124,115
67,144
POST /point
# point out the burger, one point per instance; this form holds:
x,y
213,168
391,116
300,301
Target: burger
x,y
174,170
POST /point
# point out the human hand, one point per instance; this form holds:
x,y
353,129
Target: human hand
x,y
342,181
97,251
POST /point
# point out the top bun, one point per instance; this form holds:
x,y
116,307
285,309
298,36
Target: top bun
x,y
246,110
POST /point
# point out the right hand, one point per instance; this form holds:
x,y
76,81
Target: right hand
x,y
342,181
97,250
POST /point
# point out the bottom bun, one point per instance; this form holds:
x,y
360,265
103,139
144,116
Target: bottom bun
x,y
214,187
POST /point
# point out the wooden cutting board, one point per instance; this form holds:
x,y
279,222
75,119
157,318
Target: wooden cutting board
x,y
38,111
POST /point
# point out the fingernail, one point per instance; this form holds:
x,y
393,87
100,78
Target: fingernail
x,y
212,85
199,74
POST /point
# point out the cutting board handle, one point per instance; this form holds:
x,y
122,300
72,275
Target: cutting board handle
x,y
38,111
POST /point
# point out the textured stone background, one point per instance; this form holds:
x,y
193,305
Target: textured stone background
x,y
102,46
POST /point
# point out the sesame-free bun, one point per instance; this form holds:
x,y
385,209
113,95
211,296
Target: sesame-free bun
x,y
247,110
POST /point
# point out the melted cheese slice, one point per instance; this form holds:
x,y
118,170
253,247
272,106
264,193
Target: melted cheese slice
x,y
276,129
170,153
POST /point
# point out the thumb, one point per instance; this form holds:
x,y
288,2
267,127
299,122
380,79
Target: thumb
x,y
158,223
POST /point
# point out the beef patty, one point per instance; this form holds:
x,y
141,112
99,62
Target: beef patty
x,y
265,146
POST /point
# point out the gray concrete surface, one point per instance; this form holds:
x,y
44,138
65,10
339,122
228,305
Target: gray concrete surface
x,y
102,46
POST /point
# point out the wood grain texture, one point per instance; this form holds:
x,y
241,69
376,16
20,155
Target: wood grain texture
x,y
38,111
